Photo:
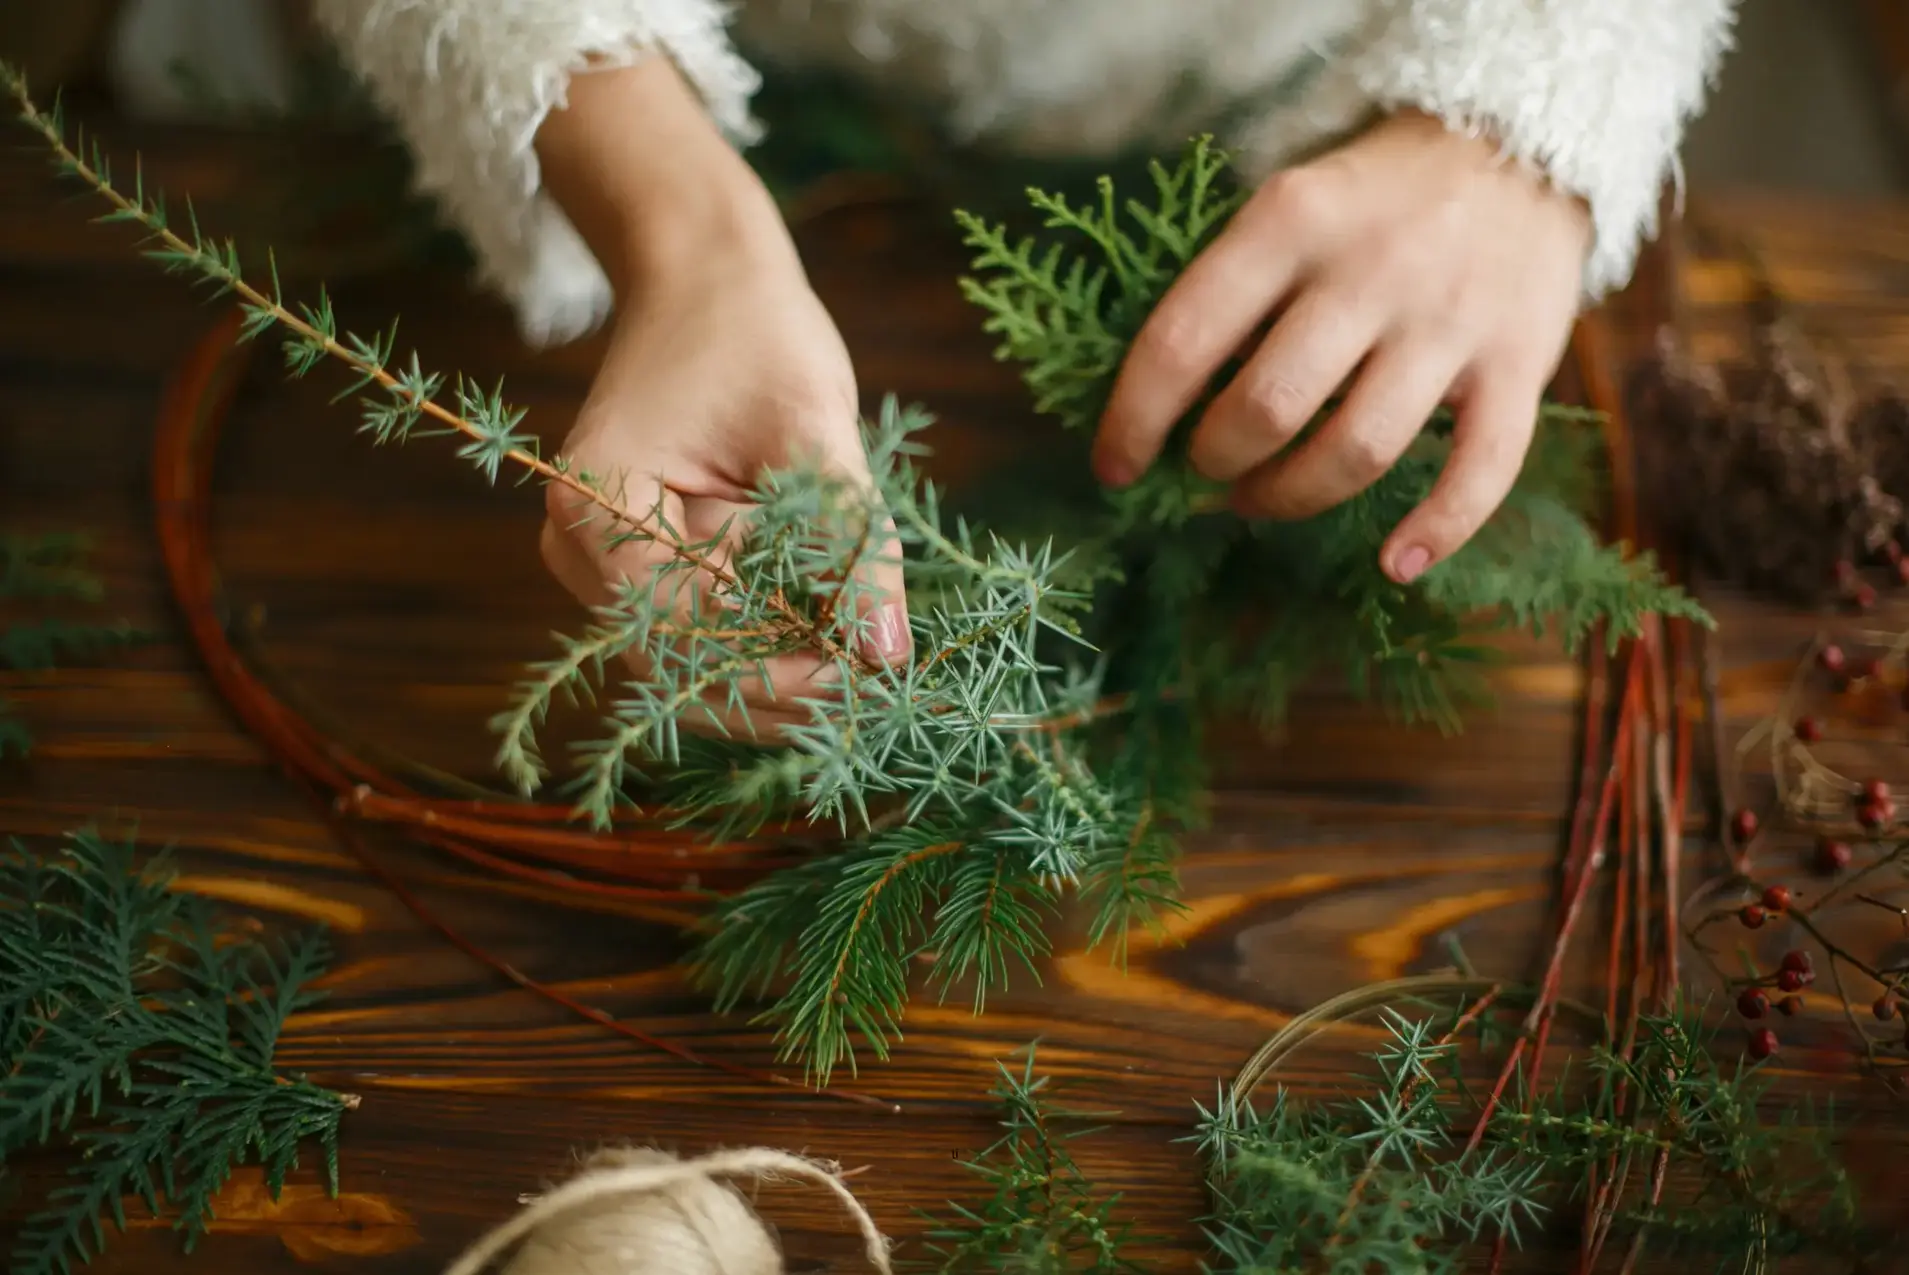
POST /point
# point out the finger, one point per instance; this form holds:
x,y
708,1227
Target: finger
x,y
1310,352
881,600
572,568
870,604
772,692
1400,388
1496,418
1205,317
606,562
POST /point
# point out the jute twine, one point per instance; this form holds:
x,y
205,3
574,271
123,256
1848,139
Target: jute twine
x,y
640,1211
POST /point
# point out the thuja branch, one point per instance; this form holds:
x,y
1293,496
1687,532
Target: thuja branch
x,y
141,1031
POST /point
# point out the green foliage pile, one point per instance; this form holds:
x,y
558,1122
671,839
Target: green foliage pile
x,y
1043,743
138,1034
1379,1178
1384,1181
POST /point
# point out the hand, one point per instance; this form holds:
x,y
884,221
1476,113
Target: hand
x,y
722,372
1415,263
722,363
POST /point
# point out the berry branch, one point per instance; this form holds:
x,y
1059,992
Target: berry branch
x,y
1811,745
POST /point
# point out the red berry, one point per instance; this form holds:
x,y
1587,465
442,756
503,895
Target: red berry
x,y
1798,960
1833,659
1891,551
1832,855
1753,1003
1762,1043
1863,596
1868,666
1791,980
1744,824
1752,916
1808,729
1777,898
1876,814
1875,790
1845,572
1790,1006
1902,569
1884,1009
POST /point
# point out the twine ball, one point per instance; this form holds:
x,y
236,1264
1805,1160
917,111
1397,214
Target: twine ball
x,y
640,1211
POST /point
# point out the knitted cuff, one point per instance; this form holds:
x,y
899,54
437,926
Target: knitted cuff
x,y
467,83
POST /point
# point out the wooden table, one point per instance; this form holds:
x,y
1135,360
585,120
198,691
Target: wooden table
x,y
400,595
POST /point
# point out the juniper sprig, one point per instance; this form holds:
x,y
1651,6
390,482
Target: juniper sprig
x,y
1042,745
1042,1214
139,1032
1386,1180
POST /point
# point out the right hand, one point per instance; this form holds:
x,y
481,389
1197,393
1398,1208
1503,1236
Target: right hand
x,y
716,372
722,364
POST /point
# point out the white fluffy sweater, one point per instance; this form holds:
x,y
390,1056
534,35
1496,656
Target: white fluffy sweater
x,y
1595,92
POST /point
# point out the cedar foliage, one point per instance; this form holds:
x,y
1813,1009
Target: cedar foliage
x,y
1044,742
139,1032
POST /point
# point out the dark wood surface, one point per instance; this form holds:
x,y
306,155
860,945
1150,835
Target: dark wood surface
x,y
399,594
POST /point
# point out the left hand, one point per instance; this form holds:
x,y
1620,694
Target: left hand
x,y
1414,258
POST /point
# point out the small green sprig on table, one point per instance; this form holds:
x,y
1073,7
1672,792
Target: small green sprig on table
x,y
1044,742
40,569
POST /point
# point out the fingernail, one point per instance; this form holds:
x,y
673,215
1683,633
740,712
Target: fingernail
x,y
889,635
1114,471
1411,562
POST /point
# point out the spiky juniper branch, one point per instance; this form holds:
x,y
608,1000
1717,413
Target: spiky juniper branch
x,y
979,783
487,423
1386,1181
1042,1215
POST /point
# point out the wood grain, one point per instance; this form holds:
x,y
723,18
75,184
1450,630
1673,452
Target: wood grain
x,y
398,593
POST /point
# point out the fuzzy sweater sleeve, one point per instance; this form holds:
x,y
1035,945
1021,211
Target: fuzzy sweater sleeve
x,y
1595,93
467,83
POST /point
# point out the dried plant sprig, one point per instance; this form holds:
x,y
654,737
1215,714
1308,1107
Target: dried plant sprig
x,y
1833,848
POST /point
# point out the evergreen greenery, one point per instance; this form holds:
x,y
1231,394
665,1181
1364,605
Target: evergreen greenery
x,y
48,569
1379,1178
1387,1181
1043,1215
140,1033
1045,740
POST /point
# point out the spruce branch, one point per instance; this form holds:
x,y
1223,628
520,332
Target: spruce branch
x,y
138,1030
